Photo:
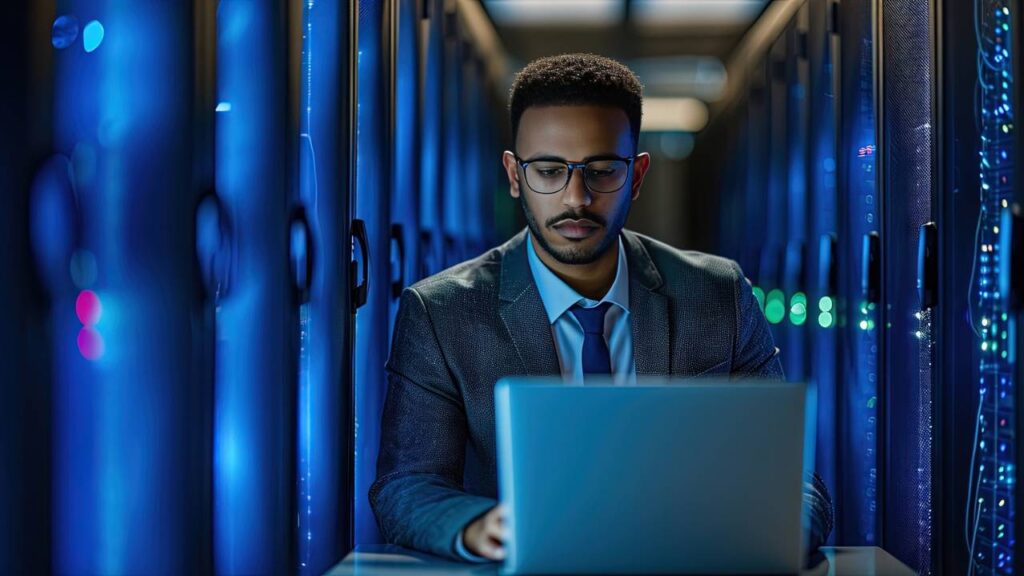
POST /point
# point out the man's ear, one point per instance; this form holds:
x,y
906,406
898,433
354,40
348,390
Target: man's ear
x,y
508,160
640,166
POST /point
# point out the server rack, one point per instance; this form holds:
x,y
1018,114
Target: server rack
x,y
792,329
771,268
821,250
373,164
454,213
405,197
431,158
320,250
254,390
129,416
858,499
905,80
979,85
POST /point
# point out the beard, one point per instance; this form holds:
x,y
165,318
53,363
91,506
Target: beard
x,y
576,254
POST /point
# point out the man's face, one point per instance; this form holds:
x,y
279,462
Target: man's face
x,y
575,225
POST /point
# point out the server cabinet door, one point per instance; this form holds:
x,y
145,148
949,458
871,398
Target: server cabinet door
x,y
373,165
405,193
112,226
906,124
432,154
455,187
857,313
320,250
821,250
254,389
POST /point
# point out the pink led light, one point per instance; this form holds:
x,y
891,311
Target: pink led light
x,y
88,307
90,343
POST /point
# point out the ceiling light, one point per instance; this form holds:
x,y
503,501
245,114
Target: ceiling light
x,y
694,13
555,13
674,115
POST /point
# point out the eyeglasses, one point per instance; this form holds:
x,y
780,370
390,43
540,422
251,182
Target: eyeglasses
x,y
550,175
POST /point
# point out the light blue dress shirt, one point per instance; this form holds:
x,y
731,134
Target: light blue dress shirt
x,y
558,297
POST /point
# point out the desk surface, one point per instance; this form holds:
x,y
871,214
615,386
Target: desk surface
x,y
388,560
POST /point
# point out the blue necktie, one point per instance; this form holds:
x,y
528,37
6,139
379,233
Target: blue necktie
x,y
596,359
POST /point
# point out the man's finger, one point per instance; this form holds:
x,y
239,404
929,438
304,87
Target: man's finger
x,y
494,530
491,549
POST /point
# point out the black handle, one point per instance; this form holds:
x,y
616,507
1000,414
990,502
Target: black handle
x,y
214,245
361,290
871,268
300,250
928,265
398,238
1011,276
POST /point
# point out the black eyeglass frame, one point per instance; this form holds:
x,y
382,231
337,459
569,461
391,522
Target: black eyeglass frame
x,y
572,166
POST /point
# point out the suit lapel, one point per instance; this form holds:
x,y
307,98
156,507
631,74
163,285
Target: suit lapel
x,y
648,310
523,312
524,317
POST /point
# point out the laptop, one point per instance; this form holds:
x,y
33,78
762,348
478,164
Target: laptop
x,y
668,476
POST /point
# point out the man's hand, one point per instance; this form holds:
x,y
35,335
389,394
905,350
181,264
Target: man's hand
x,y
485,536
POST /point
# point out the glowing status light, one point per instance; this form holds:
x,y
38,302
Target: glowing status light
x,y
826,317
825,320
90,343
759,296
92,35
64,32
798,309
775,306
88,308
223,107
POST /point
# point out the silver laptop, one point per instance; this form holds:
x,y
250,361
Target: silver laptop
x,y
668,476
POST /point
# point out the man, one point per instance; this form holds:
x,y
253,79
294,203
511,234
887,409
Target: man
x,y
575,294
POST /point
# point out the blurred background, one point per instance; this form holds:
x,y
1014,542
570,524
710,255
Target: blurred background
x,y
210,207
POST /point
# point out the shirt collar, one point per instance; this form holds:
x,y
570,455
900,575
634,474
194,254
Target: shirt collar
x,y
557,296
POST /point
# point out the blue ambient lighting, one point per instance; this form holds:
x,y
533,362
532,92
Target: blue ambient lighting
x,y
92,36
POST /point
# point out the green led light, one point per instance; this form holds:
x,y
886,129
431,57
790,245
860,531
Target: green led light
x,y
825,320
825,304
798,309
775,306
759,295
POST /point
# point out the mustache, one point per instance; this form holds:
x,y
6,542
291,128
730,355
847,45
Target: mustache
x,y
581,215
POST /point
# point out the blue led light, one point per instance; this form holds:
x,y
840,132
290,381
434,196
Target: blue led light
x,y
92,36
992,459
64,32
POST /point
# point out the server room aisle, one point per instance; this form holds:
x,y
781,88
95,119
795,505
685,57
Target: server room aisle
x,y
209,211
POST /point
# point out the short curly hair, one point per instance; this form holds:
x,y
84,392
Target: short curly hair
x,y
577,80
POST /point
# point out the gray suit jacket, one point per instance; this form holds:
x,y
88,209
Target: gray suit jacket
x,y
461,330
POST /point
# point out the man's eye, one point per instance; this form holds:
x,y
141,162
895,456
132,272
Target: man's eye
x,y
549,172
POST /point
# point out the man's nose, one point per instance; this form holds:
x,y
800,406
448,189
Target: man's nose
x,y
576,194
